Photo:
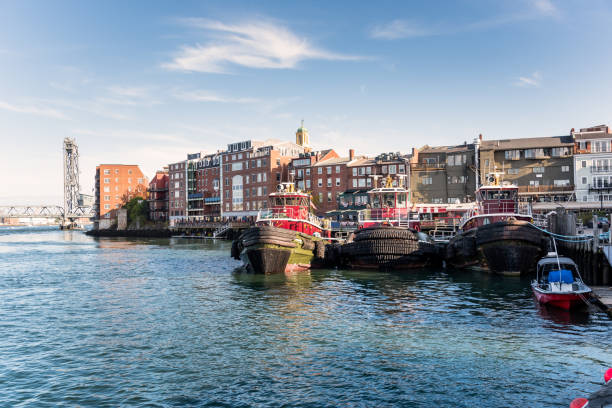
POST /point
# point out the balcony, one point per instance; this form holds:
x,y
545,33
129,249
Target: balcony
x,y
604,187
427,166
545,189
599,170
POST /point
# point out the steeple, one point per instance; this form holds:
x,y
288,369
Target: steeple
x,y
301,136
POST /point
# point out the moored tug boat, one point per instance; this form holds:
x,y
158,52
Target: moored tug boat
x,y
285,238
388,236
558,283
497,235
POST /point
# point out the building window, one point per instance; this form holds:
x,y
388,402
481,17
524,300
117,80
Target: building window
x,y
534,183
354,183
392,169
227,181
426,180
107,206
561,183
560,151
338,169
600,146
237,166
308,172
486,163
513,171
300,173
354,171
307,183
106,189
129,180
329,182
320,197
106,198
565,169
329,170
584,180
278,162
511,155
320,170
329,196
534,153
337,181
538,170
107,171
107,180
130,172
319,182
277,177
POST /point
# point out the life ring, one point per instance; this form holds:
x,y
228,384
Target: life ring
x,y
417,228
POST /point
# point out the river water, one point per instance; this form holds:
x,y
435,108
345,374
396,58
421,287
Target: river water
x,y
170,322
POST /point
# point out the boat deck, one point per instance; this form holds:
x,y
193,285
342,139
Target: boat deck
x,y
604,298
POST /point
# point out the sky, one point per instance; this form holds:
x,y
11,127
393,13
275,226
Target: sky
x,y
146,82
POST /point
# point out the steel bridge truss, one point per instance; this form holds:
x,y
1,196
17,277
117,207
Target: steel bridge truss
x,y
44,211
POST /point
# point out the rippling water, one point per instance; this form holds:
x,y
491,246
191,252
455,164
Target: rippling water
x,y
115,322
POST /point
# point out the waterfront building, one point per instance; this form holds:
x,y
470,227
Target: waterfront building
x,y
541,167
300,167
115,184
593,164
328,179
177,190
208,185
250,170
443,174
158,196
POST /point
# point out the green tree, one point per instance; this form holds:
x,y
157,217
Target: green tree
x,y
137,210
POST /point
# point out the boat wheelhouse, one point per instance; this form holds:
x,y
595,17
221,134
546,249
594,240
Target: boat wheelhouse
x,y
495,203
291,209
388,205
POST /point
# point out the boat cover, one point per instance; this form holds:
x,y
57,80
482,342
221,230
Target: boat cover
x,y
563,276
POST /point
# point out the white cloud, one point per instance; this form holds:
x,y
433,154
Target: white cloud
x,y
208,96
399,29
131,92
534,80
257,44
34,110
545,7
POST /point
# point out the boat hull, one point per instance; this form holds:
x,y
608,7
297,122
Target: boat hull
x,y
509,247
267,250
387,248
564,301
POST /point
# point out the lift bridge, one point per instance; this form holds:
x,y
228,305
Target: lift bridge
x,y
72,209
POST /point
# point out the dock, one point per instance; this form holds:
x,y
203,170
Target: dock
x,y
603,296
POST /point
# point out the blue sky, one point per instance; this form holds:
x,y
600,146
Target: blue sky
x,y
145,82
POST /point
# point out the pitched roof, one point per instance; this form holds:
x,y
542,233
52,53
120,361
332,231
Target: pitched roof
x,y
527,143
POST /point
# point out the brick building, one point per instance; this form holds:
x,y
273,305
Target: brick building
x,y
443,174
177,190
158,196
250,170
115,184
208,184
542,167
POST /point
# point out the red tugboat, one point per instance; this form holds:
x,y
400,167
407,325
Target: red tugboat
x,y
497,235
388,236
558,283
286,238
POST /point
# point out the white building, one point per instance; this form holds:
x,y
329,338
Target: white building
x,y
593,164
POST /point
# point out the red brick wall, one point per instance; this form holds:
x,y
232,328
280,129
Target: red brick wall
x,y
114,181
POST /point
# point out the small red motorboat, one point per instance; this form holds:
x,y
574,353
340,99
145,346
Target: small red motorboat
x,y
558,283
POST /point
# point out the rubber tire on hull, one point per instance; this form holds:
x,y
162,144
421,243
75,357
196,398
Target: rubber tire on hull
x,y
386,246
268,260
235,252
384,233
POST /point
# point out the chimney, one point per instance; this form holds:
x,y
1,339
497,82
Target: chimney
x,y
351,154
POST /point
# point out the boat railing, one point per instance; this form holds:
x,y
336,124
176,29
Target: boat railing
x,y
401,215
288,213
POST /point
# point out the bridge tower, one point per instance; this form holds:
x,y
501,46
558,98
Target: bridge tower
x,y
71,182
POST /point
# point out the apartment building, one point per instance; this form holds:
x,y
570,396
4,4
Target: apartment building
x,y
250,170
158,196
328,180
208,184
542,167
300,167
593,164
177,190
443,174
116,184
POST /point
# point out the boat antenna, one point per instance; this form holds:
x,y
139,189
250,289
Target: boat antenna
x,y
557,255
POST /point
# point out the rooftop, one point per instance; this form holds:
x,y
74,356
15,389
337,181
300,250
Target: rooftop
x,y
527,143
